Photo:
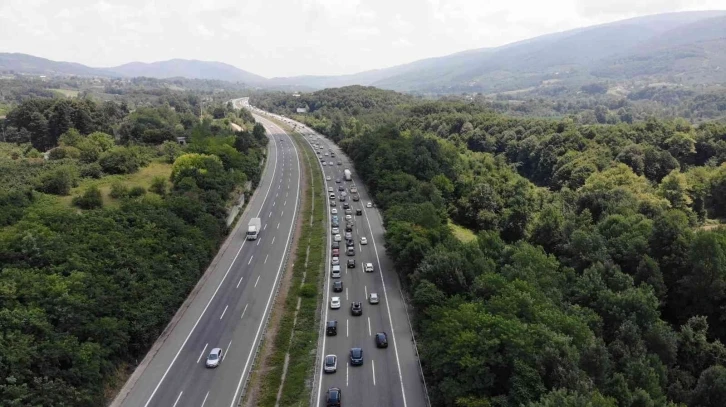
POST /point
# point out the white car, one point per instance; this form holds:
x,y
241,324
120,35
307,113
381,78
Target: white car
x,y
214,358
363,240
373,298
369,267
335,303
334,211
337,238
327,164
369,205
334,231
330,163
335,261
330,189
348,217
328,178
331,364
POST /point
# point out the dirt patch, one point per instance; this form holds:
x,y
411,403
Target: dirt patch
x,y
278,308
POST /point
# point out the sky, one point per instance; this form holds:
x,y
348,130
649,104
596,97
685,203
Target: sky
x,y
296,37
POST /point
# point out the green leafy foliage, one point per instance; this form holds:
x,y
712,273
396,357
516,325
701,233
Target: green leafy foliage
x,y
91,199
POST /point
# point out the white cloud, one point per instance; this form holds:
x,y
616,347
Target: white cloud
x,y
293,37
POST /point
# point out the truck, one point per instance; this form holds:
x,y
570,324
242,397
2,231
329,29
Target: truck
x,y
347,174
253,229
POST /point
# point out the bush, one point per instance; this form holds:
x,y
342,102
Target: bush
x,y
58,181
136,192
120,160
119,190
92,170
158,185
170,150
308,291
91,199
59,153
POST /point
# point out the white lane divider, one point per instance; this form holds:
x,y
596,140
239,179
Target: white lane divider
x,y
205,399
202,354
273,204
223,312
270,215
258,241
240,281
273,240
346,373
365,287
278,225
258,280
346,327
373,367
243,312
265,227
227,350
346,293
266,256
250,261
177,399
369,326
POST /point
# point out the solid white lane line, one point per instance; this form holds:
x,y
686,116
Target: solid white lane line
x,y
223,312
373,367
202,354
266,256
272,291
177,399
369,326
240,281
243,312
258,280
250,261
205,399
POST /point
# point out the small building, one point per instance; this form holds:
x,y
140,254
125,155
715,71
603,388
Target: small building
x,y
302,109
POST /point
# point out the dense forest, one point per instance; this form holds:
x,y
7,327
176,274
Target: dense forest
x,y
597,276
106,224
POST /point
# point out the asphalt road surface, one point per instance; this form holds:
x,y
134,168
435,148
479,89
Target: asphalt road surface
x,y
389,377
231,309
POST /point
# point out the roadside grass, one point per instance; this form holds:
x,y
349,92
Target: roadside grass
x,y
297,336
142,178
463,234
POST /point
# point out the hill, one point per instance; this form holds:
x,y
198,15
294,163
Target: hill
x,y
23,63
187,69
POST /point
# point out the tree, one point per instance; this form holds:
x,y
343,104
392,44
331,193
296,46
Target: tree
x,y
710,390
91,199
120,160
58,181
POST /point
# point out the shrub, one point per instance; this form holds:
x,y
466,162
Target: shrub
x,y
91,199
119,190
170,150
158,185
59,153
120,160
136,192
58,181
92,170
308,291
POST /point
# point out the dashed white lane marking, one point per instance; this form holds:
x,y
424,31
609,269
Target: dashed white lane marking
x,y
258,280
240,281
243,312
202,354
223,312
251,257
177,399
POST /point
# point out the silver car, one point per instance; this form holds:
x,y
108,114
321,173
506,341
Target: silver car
x,y
373,298
331,364
214,358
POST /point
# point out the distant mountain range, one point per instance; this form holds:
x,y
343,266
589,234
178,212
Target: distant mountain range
x,y
687,47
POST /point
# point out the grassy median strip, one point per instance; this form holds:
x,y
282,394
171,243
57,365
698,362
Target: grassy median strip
x,y
292,360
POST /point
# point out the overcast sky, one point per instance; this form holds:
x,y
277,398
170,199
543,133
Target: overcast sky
x,y
296,37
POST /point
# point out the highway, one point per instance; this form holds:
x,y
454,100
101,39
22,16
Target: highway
x,y
389,377
232,306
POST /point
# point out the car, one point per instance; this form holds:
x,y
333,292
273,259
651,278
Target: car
x,y
348,227
335,223
356,198
340,163
349,212
335,245
334,231
341,188
359,212
349,243
333,397
214,358
351,263
356,308
335,272
335,261
346,205
330,163
338,180
335,218
330,189
332,195
324,163
331,328
331,363
326,154
334,211
369,267
348,236
332,203
342,198
328,178
372,297
363,240
336,251
338,286
335,303
369,205
381,340
356,356
348,217
337,238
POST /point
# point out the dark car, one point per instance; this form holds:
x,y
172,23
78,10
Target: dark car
x,y
334,397
359,212
349,242
335,224
356,356
348,236
351,263
341,188
337,286
331,328
338,180
356,308
336,252
348,227
346,205
381,340
335,245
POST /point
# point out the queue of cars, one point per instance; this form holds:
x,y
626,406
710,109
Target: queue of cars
x,y
342,231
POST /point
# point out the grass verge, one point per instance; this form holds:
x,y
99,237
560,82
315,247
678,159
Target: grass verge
x,y
463,234
297,333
